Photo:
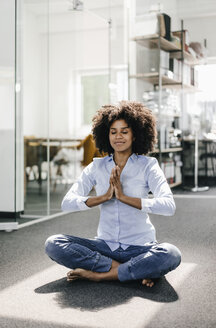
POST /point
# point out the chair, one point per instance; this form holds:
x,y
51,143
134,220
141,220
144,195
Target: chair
x,y
90,150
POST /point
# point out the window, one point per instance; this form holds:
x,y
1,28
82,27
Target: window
x,y
95,93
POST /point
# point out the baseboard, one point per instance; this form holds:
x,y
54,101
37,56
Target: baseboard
x,y
9,226
10,215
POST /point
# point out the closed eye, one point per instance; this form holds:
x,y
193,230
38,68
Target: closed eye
x,y
123,132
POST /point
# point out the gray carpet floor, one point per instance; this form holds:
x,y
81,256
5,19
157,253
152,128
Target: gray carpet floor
x,y
35,293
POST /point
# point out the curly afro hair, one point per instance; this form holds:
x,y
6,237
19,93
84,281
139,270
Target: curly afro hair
x,y
138,117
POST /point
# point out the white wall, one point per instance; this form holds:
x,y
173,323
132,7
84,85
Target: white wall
x,y
6,98
203,28
34,77
200,19
7,106
7,163
7,36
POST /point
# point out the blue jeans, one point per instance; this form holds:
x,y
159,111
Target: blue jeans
x,y
136,262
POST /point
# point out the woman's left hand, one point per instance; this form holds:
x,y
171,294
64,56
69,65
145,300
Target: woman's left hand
x,y
115,180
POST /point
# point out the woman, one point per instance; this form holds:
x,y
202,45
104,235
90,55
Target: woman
x,y
125,247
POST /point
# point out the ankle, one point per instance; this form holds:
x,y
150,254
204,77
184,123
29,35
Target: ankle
x,y
114,265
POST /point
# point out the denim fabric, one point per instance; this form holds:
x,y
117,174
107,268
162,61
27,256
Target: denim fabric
x,y
137,262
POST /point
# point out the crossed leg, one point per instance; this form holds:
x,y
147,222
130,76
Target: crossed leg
x,y
93,260
100,276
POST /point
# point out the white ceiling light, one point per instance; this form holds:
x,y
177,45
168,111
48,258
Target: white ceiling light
x,y
76,5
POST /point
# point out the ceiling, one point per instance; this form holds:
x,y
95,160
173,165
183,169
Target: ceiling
x,y
97,13
181,8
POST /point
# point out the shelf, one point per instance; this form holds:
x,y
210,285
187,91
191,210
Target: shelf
x,y
152,42
187,88
166,81
154,78
172,150
168,150
188,58
164,115
151,48
175,184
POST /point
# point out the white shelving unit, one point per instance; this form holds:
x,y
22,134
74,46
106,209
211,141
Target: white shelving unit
x,y
156,79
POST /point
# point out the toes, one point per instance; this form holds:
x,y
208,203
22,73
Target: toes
x,y
71,279
74,274
70,274
148,282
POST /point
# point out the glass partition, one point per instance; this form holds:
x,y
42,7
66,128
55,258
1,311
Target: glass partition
x,y
78,86
8,206
32,104
72,60
118,50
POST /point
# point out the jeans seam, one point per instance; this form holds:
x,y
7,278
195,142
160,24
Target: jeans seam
x,y
131,273
98,256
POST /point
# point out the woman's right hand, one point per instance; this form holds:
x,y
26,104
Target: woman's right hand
x,y
97,200
110,192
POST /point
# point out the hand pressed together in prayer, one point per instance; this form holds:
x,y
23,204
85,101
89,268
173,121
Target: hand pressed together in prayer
x,y
115,182
114,190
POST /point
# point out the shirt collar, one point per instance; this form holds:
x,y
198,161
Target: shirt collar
x,y
133,157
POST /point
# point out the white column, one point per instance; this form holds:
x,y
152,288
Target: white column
x,y
11,147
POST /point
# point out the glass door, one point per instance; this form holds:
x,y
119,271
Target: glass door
x,y
78,86
32,106
71,59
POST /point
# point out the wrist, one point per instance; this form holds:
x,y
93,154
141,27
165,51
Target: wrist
x,y
106,196
120,197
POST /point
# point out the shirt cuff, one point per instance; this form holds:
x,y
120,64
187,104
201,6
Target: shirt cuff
x,y
146,205
81,203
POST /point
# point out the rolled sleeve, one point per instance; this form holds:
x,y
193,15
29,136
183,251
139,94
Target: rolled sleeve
x,y
76,197
146,205
161,206
163,202
81,203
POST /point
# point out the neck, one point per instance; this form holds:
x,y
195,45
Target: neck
x,y
121,158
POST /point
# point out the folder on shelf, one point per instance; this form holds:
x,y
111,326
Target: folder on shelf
x,y
153,24
186,38
162,27
165,26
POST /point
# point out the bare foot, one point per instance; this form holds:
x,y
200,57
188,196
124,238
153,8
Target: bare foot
x,y
94,276
82,274
148,282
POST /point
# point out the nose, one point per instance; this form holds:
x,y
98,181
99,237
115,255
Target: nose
x,y
118,135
